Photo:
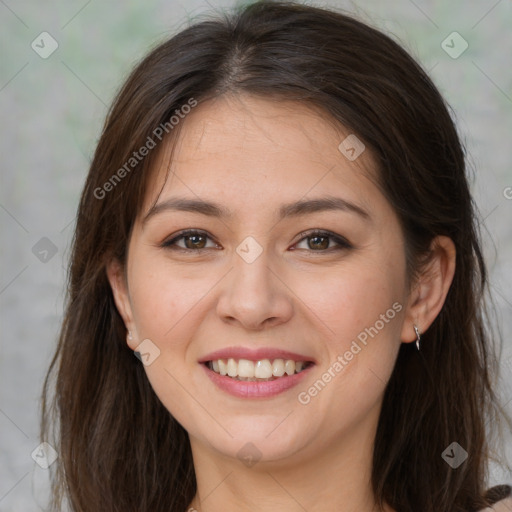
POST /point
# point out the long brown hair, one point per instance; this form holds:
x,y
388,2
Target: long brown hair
x,y
120,449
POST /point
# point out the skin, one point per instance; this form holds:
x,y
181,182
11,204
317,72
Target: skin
x,y
252,155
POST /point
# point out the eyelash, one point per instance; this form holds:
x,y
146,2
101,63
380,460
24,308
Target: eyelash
x,y
343,244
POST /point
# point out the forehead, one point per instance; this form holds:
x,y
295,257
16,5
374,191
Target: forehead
x,y
247,150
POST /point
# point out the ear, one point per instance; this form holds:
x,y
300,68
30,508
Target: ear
x,y
119,285
430,290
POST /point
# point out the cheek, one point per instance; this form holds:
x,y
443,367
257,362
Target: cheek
x,y
162,297
166,304
348,302
362,308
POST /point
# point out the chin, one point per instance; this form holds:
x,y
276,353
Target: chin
x,y
266,438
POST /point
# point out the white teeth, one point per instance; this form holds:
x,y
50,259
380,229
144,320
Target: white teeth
x,y
232,368
289,367
245,368
278,368
223,367
265,369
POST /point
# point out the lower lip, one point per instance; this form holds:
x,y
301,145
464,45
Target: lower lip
x,y
253,389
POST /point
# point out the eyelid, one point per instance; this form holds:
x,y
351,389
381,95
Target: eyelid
x,y
340,241
173,239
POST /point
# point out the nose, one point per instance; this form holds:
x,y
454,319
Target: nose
x,y
254,296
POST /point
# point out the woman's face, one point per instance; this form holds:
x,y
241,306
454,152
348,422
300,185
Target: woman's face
x,y
254,282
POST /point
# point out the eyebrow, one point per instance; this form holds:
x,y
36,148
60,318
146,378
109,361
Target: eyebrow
x,y
296,209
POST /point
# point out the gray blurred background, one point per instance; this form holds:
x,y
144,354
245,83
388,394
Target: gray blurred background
x,y
62,62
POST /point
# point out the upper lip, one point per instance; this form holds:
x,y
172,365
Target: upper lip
x,y
254,354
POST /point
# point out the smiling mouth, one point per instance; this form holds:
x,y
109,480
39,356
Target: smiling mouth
x,y
257,371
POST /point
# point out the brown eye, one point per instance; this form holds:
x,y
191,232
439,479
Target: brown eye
x,y
318,242
190,240
195,241
322,241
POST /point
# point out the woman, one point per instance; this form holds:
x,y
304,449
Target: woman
x,y
277,223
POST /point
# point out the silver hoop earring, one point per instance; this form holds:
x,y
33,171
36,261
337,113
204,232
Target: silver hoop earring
x,y
130,337
418,337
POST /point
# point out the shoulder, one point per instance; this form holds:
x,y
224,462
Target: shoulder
x,y
500,506
501,497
